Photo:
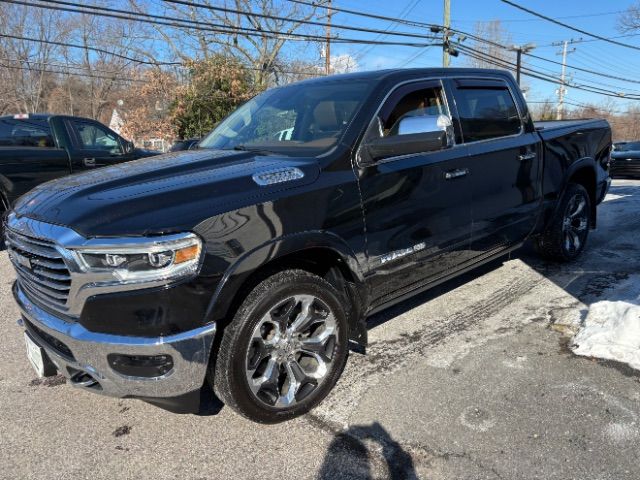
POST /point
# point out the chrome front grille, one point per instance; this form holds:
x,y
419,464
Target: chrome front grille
x,y
42,272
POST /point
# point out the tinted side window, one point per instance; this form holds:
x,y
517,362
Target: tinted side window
x,y
25,133
94,137
487,113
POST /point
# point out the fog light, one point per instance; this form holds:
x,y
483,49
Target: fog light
x,y
141,365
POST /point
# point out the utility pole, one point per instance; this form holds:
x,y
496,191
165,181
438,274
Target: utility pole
x,y
327,53
520,49
563,75
445,34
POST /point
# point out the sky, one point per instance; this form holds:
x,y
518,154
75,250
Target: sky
x,y
593,16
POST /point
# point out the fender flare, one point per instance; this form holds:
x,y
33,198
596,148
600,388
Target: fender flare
x,y
585,162
240,271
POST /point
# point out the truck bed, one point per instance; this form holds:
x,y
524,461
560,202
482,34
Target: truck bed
x,y
557,124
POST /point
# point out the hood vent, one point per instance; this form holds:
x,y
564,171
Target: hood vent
x,y
280,175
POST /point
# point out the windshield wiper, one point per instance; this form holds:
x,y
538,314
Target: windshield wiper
x,y
245,148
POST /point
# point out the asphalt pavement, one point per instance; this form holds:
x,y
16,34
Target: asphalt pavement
x,y
472,380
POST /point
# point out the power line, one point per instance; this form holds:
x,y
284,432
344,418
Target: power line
x,y
477,38
179,64
370,15
83,74
533,55
566,17
591,40
290,20
59,65
409,7
187,24
85,47
482,56
570,27
461,32
263,33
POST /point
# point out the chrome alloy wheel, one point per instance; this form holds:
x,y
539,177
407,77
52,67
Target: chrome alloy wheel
x,y
291,351
575,224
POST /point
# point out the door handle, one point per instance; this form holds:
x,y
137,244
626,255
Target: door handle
x,y
457,173
527,156
89,162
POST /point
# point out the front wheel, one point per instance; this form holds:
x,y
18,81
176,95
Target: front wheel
x,y
566,236
284,350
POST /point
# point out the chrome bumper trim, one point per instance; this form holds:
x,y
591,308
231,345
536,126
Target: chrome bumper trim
x,y
190,351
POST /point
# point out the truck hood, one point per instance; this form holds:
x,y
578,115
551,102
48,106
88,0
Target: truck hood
x,y
162,194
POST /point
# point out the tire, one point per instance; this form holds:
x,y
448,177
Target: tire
x,y
3,213
566,236
271,340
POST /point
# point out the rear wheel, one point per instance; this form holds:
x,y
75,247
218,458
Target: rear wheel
x,y
284,350
566,236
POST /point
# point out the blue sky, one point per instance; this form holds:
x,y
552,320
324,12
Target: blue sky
x,y
598,17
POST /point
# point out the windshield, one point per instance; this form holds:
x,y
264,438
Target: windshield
x,y
627,147
303,120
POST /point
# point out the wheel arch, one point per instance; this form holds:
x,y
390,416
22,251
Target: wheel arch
x,y
582,172
321,253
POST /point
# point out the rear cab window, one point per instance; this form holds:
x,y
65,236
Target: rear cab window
x,y
25,133
486,110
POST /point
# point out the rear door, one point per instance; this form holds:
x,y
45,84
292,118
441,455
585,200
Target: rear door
x,y
506,161
95,145
28,155
417,213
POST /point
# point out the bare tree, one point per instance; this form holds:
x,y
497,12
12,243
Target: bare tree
x,y
28,68
489,52
629,20
257,41
543,111
105,75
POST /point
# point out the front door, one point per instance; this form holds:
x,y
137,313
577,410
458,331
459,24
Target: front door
x,y
417,207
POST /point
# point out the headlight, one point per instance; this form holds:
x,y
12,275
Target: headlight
x,y
132,260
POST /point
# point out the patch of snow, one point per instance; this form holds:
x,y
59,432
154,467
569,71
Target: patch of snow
x,y
621,432
614,196
611,329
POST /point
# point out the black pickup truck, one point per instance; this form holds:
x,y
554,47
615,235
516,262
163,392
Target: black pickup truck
x,y
36,148
252,263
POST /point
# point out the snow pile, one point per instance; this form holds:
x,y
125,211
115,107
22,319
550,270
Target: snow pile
x,y
611,329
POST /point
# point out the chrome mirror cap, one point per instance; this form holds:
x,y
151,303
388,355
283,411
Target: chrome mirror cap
x,y
423,124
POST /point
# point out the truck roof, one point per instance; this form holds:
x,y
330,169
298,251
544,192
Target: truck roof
x,y
400,73
31,116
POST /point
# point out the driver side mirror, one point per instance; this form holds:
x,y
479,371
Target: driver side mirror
x,y
413,134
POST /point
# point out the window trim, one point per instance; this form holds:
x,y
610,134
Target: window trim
x,y
436,80
513,97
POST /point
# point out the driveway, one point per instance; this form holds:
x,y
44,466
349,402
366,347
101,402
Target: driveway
x,y
473,380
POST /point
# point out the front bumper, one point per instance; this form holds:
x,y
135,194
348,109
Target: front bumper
x,y
81,355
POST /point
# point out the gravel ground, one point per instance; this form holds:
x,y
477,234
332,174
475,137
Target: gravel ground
x,y
473,380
